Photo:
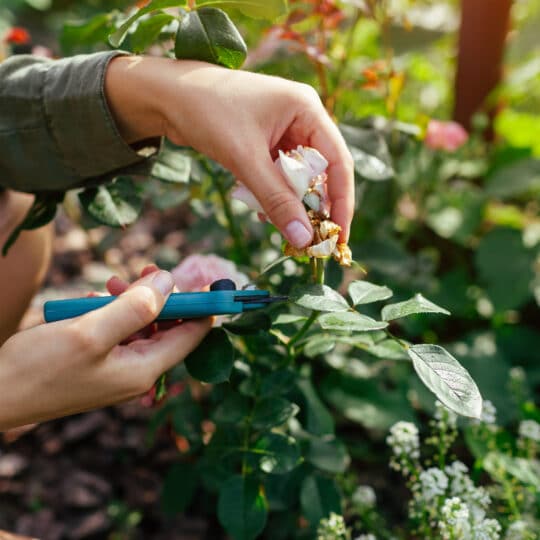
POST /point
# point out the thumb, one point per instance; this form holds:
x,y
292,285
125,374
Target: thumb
x,y
136,308
283,207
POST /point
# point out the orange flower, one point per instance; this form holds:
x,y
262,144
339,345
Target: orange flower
x,y
17,36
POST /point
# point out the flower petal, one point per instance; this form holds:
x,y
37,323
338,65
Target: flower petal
x,y
297,173
324,249
242,193
316,161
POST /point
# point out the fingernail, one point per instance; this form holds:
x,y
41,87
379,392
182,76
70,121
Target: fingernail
x,y
297,234
163,282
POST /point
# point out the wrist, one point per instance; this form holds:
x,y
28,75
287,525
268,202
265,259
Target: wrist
x,y
130,91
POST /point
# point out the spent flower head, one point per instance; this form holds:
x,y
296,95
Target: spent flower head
x,y
305,171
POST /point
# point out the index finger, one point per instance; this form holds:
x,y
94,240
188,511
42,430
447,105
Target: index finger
x,y
327,139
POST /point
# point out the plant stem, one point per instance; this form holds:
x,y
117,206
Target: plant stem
x,y
240,254
317,268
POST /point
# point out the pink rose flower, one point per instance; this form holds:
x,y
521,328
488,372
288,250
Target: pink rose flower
x,y
197,271
447,136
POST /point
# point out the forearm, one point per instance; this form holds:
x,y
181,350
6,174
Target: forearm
x,y
23,269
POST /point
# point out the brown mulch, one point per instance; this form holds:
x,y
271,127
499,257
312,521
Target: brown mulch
x,y
93,476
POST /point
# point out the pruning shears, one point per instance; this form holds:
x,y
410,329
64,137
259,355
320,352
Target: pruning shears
x,y
222,299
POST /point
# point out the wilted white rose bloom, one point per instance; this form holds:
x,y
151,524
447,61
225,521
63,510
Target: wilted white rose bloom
x,y
454,522
364,497
529,429
303,169
433,483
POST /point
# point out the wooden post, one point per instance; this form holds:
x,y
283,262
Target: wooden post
x,y
484,28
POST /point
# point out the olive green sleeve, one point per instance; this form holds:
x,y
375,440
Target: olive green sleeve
x,y
56,131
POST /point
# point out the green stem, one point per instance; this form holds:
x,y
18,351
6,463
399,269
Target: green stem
x,y
240,252
317,268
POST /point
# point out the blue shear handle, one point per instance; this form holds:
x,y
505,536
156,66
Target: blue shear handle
x,y
178,306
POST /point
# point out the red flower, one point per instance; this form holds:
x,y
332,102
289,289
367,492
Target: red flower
x,y
17,36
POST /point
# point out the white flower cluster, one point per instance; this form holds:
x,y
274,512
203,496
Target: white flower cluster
x,y
454,521
433,483
364,498
519,530
529,429
404,441
332,528
463,487
489,414
446,419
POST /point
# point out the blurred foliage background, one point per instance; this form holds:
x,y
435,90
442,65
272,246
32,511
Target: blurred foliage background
x,y
463,227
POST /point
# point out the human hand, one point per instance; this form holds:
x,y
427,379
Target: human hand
x,y
241,120
71,366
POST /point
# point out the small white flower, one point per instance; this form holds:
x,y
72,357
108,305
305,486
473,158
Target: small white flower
x,y
529,429
404,439
488,529
454,522
444,416
463,487
332,528
519,530
364,497
433,483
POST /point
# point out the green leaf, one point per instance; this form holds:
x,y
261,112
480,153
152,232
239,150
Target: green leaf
x,y
417,304
368,147
85,35
281,454
526,471
319,298
318,419
328,454
147,31
258,9
505,267
242,508
363,292
232,410
366,402
116,204
210,36
270,412
319,497
250,323
212,360
118,36
288,318
350,321
319,344
41,212
447,379
388,349
178,488
517,179
277,382
172,166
